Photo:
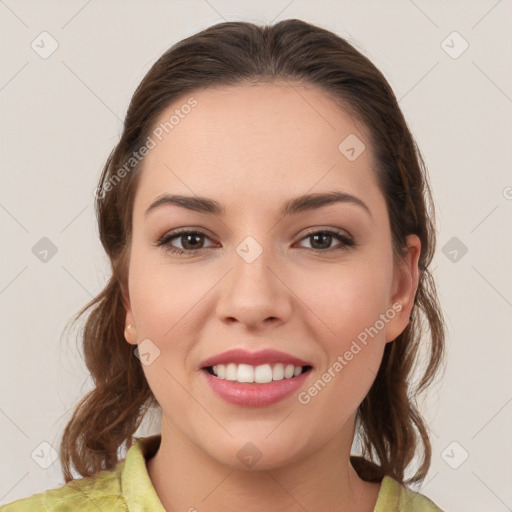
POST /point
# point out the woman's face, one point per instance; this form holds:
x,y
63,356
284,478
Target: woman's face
x,y
261,279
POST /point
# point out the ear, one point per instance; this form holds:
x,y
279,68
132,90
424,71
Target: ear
x,y
130,333
405,285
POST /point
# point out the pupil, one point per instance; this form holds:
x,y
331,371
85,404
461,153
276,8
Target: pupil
x,y
327,236
187,239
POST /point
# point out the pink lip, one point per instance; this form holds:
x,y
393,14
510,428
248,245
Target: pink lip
x,y
240,356
253,394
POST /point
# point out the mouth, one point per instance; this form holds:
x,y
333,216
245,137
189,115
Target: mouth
x,y
255,379
245,385
261,374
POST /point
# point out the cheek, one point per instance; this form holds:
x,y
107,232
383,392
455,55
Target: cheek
x,y
159,289
164,302
348,299
351,306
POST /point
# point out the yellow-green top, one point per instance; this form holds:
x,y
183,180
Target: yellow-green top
x,y
128,488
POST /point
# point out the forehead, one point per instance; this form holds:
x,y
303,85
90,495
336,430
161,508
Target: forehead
x,y
257,142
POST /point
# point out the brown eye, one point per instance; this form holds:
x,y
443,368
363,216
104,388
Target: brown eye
x,y
321,240
191,242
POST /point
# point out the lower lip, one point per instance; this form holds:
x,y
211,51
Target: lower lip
x,y
252,394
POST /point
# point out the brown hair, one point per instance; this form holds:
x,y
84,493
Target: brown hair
x,y
391,429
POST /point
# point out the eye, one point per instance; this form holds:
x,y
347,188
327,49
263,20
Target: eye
x,y
323,238
190,241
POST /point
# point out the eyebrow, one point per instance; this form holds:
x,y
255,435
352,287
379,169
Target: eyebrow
x,y
292,206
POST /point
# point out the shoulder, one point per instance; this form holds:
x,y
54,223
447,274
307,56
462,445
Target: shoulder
x,y
126,487
395,496
101,491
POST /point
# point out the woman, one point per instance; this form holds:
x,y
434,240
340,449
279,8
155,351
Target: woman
x,y
266,214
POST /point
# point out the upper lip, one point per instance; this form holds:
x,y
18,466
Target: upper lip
x,y
241,356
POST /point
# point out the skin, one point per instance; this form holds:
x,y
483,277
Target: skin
x,y
251,148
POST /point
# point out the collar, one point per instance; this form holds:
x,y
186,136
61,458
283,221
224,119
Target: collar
x,y
136,485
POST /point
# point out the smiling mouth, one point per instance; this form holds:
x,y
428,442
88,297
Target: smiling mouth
x,y
261,374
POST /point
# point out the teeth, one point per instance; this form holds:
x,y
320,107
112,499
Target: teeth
x,y
262,373
278,372
289,371
259,374
231,371
245,373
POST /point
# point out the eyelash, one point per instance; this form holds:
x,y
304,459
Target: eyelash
x,y
165,240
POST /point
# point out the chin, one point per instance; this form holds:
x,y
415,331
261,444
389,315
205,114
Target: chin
x,y
260,454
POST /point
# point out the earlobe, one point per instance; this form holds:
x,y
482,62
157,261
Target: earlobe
x,y
130,332
405,285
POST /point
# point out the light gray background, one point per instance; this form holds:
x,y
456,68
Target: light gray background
x,y
62,115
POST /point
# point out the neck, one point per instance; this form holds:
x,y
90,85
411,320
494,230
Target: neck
x,y
186,478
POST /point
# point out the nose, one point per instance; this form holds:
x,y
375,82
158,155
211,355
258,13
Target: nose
x,y
254,294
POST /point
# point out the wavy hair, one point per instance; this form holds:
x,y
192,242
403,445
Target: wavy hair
x,y
390,428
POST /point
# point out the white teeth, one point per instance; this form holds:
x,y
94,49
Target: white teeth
x,y
245,373
259,374
263,373
278,372
230,371
288,371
